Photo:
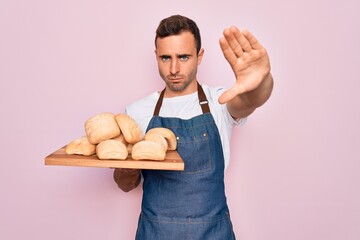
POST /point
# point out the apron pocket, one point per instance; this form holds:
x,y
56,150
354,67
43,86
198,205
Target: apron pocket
x,y
195,152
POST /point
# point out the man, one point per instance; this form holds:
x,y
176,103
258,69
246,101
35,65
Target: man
x,y
191,204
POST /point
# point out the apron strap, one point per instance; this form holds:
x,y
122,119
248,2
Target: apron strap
x,y
202,101
159,103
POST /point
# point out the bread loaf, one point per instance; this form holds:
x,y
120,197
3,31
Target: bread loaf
x,y
80,146
111,149
129,128
101,127
148,150
167,134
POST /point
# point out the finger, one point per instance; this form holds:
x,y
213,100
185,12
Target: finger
x,y
241,39
228,52
233,42
255,44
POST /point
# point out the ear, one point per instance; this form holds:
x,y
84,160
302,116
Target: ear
x,y
200,56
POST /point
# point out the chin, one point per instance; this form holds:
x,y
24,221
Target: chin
x,y
175,86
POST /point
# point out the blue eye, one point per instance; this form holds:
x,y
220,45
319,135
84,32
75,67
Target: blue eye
x,y
165,58
184,57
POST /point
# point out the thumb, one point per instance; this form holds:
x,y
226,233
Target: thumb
x,y
230,94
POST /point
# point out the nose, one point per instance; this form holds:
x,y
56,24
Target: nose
x,y
174,67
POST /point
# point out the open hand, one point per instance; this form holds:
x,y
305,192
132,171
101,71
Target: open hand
x,y
247,58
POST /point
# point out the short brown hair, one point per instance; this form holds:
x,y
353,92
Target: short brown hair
x,y
177,24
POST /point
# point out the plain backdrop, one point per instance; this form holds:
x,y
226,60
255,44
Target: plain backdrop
x,y
294,172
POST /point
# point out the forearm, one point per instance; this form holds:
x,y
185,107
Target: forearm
x,y
245,104
127,179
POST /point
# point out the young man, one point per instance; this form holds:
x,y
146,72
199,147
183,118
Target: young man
x,y
191,204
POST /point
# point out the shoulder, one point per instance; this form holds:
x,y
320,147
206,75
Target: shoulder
x,y
143,103
142,110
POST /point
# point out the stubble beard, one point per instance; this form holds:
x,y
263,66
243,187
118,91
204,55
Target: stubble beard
x,y
181,85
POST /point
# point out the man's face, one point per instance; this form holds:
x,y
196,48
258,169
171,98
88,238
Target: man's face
x,y
177,62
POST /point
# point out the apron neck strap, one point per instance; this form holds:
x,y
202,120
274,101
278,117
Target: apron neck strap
x,y
202,101
159,103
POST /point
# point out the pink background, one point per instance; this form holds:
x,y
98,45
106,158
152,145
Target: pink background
x,y
294,172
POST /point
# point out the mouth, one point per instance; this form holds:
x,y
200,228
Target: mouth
x,y
174,79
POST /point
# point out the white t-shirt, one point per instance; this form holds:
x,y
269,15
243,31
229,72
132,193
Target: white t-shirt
x,y
186,107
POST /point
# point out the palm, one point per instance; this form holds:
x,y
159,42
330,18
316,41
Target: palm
x,y
248,60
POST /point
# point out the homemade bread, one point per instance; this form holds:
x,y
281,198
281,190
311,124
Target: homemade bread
x,y
167,134
101,127
80,146
111,149
148,150
129,128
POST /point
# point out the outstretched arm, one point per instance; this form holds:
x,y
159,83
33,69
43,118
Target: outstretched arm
x,y
251,66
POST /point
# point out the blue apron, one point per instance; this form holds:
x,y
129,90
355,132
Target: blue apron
x,y
189,204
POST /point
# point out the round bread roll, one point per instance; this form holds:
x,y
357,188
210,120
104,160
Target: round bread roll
x,y
129,128
80,146
156,137
111,149
101,127
148,150
167,134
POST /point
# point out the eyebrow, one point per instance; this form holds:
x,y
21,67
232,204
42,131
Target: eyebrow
x,y
178,55
184,55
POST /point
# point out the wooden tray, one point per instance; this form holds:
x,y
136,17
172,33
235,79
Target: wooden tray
x,y
172,161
